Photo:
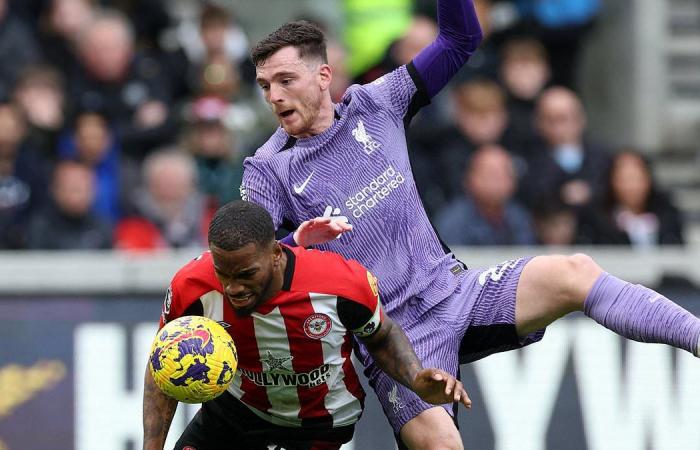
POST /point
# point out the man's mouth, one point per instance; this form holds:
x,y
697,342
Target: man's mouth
x,y
286,114
243,301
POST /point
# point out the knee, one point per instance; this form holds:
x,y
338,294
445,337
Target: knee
x,y
583,265
581,271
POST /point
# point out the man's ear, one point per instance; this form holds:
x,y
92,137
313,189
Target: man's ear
x,y
276,253
325,74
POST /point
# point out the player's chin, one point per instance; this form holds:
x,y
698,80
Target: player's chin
x,y
294,126
291,129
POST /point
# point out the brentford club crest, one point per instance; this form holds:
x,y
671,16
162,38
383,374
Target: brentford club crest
x,y
317,326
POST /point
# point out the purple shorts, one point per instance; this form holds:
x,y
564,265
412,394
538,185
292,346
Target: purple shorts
x,y
477,320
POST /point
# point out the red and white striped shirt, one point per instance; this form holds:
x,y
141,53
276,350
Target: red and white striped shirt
x,y
294,365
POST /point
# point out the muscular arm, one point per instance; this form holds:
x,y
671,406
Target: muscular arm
x,y
458,37
158,412
393,353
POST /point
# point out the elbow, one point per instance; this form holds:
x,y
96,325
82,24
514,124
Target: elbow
x,y
461,44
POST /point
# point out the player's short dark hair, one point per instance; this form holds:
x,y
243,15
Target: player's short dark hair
x,y
240,223
305,36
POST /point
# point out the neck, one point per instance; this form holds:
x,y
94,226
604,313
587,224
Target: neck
x,y
634,209
326,116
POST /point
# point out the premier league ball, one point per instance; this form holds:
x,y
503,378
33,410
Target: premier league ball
x,y
193,359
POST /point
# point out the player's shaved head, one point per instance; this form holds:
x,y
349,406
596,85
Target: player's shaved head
x,y
307,37
240,223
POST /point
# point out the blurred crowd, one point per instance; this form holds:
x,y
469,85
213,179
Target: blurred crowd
x,y
124,127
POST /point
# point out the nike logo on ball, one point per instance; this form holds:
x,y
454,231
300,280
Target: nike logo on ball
x,y
300,189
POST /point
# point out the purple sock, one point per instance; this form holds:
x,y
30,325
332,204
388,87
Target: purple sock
x,y
641,314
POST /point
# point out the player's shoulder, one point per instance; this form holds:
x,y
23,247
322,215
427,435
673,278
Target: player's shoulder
x,y
271,147
387,81
195,278
330,273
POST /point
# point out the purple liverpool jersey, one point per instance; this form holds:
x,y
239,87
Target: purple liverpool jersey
x,y
359,168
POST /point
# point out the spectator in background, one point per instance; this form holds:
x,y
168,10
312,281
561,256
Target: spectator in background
x,y
93,143
40,94
524,73
170,212
562,26
566,164
635,212
556,224
18,49
219,161
486,213
217,55
132,90
439,155
420,33
214,49
23,175
481,118
60,27
149,19
67,222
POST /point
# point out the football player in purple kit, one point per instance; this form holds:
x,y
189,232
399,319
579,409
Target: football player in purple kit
x,y
332,166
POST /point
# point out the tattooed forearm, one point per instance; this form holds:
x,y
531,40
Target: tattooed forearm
x,y
393,353
158,412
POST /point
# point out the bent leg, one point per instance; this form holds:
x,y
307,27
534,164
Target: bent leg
x,y
552,286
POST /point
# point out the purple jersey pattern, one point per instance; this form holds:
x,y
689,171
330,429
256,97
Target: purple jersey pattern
x,y
359,168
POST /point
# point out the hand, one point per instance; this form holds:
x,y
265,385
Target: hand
x,y
321,230
438,387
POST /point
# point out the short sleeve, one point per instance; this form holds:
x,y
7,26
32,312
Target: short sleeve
x,y
362,315
261,187
174,305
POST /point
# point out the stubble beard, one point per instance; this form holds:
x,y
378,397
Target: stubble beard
x,y
308,111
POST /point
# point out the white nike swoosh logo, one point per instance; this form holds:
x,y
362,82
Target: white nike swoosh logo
x,y
300,189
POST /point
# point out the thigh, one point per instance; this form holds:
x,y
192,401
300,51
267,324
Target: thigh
x,y
432,428
435,344
552,286
491,327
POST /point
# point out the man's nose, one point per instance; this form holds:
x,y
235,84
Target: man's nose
x,y
276,94
233,289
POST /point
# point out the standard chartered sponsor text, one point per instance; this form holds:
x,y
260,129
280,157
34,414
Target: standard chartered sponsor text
x,y
374,192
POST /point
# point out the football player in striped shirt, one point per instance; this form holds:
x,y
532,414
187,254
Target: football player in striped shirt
x,y
292,314
347,164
